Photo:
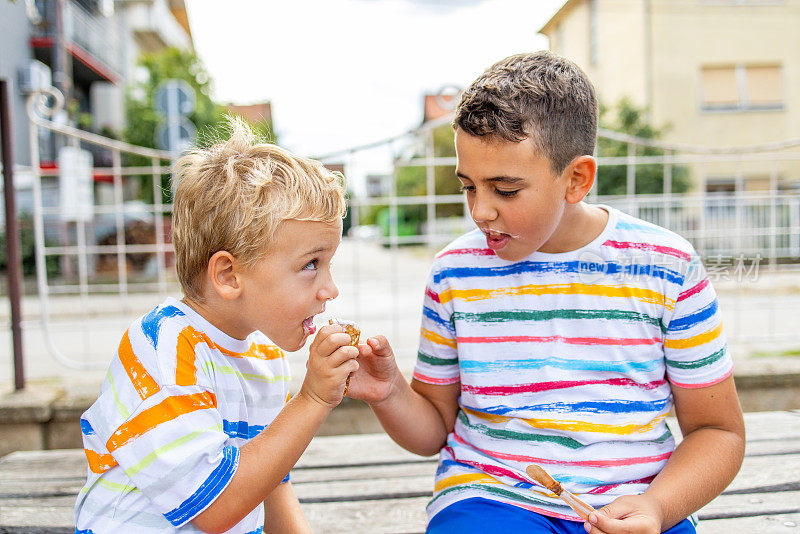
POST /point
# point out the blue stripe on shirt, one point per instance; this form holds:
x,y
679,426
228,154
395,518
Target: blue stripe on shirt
x,y
151,324
433,316
560,267
86,428
240,429
476,366
690,321
604,406
208,491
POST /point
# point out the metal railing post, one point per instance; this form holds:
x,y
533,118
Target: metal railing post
x,y
119,219
430,189
630,190
13,255
158,226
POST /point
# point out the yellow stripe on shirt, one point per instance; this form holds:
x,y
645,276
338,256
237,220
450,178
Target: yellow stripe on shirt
x,y
574,426
694,341
644,295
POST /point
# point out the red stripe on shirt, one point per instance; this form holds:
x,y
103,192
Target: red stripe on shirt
x,y
469,251
584,463
649,247
568,340
546,386
696,289
433,296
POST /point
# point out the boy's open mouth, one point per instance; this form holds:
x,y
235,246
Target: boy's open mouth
x,y
309,326
496,240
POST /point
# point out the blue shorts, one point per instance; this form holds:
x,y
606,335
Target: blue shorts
x,y
481,516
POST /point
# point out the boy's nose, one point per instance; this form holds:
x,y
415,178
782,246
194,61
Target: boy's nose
x,y
482,211
329,291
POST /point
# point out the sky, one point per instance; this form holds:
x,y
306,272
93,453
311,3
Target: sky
x,y
342,73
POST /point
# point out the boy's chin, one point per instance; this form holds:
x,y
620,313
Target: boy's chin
x,y
513,255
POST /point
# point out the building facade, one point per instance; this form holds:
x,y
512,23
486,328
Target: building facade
x,y
719,73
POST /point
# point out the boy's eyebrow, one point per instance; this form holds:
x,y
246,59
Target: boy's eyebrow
x,y
504,179
316,250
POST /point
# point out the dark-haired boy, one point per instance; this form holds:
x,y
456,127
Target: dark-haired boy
x,y
558,333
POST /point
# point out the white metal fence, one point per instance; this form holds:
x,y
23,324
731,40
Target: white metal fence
x,y
106,273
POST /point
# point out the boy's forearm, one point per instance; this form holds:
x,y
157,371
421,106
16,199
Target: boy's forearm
x,y
411,420
282,513
264,462
701,467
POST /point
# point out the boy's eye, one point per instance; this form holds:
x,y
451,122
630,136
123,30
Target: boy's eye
x,y
467,188
311,266
503,193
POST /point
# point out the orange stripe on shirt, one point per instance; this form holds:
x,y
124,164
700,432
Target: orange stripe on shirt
x,y
166,410
189,338
186,367
144,383
262,352
99,463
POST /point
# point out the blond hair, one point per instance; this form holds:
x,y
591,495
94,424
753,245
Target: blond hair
x,y
234,195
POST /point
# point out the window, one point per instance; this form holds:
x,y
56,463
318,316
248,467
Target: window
x,y
742,87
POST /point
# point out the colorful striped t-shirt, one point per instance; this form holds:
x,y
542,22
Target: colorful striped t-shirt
x,y
162,440
566,360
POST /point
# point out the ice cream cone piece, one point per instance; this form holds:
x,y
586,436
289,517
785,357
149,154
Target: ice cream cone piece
x,y
543,477
351,329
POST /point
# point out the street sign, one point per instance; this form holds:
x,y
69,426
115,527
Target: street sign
x,y
175,96
75,186
176,136
175,99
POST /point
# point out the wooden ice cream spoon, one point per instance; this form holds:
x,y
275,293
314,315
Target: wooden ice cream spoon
x,y
542,477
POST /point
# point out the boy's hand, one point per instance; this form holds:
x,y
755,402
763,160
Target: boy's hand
x,y
376,372
630,514
331,359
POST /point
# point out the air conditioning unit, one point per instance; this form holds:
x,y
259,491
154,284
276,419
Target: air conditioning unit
x,y
34,76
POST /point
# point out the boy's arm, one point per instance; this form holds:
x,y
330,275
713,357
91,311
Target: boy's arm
x,y
266,459
704,463
282,513
418,416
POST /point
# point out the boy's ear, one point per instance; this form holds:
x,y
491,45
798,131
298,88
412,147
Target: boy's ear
x,y
581,172
223,275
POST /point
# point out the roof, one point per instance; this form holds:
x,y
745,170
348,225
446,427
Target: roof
x,y
568,5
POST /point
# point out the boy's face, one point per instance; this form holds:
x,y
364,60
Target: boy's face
x,y
513,195
289,286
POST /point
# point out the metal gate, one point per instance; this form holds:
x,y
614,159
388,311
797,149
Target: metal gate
x,y
94,275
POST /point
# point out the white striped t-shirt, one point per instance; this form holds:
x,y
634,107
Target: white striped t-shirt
x,y
162,440
566,360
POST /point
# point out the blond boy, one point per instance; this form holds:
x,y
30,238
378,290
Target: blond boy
x,y
193,430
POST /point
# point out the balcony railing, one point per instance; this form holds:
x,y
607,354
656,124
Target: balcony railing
x,y
92,33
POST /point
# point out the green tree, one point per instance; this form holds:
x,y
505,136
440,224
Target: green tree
x,y
142,119
413,181
627,118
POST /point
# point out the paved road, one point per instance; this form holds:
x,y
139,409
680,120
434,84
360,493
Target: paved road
x,y
386,299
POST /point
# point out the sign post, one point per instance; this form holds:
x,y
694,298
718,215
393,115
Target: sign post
x,y
175,99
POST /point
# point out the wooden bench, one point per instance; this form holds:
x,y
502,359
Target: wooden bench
x,y
367,484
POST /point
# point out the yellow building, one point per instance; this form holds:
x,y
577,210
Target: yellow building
x,y
719,72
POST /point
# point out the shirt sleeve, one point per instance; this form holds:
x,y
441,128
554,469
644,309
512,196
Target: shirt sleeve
x,y
437,357
174,449
694,343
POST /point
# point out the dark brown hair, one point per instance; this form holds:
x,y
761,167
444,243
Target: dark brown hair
x,y
539,95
